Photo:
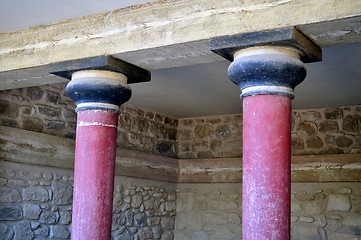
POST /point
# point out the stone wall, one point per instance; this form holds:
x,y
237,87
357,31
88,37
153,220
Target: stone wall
x,y
47,109
314,131
36,203
327,211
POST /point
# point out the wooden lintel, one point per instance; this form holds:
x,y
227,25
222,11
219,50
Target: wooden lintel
x,y
28,147
170,33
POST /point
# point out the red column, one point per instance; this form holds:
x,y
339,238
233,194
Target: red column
x,y
98,95
94,174
266,167
267,77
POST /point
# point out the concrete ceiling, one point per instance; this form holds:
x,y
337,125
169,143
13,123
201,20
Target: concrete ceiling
x,y
202,89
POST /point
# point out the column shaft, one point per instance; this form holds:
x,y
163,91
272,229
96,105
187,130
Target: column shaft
x,y
266,167
94,174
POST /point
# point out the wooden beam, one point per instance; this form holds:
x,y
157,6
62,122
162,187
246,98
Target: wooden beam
x,y
305,168
169,33
28,147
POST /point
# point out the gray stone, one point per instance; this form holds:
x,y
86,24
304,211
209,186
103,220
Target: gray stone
x,y
65,217
145,233
6,233
136,201
8,109
139,219
18,182
58,231
352,123
63,193
170,206
310,116
34,93
343,141
305,233
167,223
314,142
295,206
204,131
314,207
306,219
125,235
48,111
333,113
352,220
23,231
189,219
9,194
53,97
212,218
35,225
185,201
10,213
55,125
36,194
328,126
48,218
167,235
157,232
129,216
219,204
10,173
338,203
153,221
42,231
32,211
33,124
308,128
10,123
345,190
198,235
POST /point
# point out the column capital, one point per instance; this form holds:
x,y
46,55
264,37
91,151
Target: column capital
x,y
99,82
267,62
97,89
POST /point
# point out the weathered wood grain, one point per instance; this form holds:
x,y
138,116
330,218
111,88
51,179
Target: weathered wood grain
x,y
170,33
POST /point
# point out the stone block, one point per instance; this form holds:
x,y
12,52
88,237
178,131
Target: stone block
x,y
59,232
297,144
18,183
55,125
6,232
32,211
328,127
199,235
333,113
306,219
307,128
48,111
343,141
185,201
53,97
10,123
204,132
314,142
342,236
8,109
305,233
314,207
352,123
136,201
167,222
145,233
189,219
352,220
42,231
36,194
34,93
23,231
167,235
33,124
63,193
48,218
222,204
212,218
9,194
295,206
157,232
311,116
10,213
65,217
338,203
